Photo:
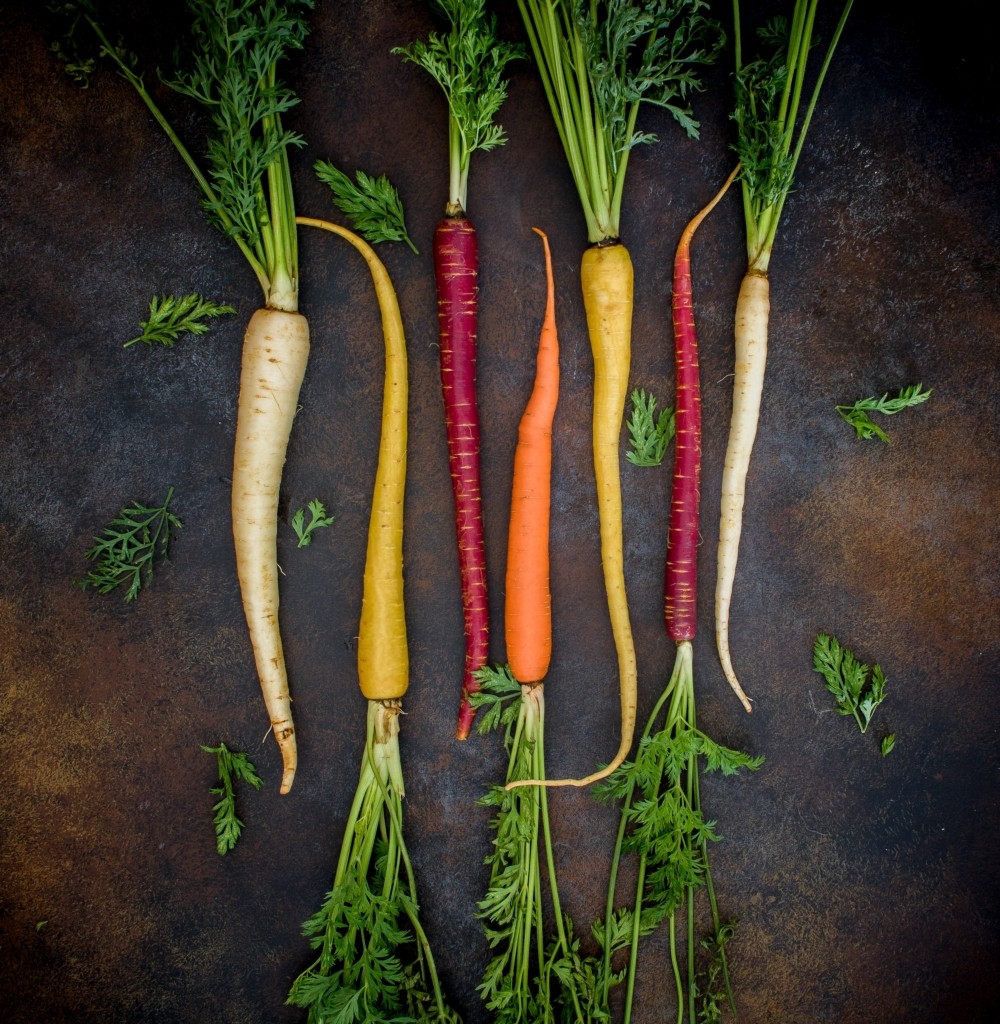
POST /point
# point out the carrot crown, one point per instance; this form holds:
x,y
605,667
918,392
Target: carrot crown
x,y
598,61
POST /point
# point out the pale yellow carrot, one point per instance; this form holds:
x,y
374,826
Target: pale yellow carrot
x,y
275,352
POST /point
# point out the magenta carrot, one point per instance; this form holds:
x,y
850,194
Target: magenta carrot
x,y
660,789
680,588
468,62
456,270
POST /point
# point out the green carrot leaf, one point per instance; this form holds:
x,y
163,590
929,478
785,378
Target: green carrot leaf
x,y
857,688
372,204
233,766
317,519
468,62
649,434
864,427
888,744
171,317
127,549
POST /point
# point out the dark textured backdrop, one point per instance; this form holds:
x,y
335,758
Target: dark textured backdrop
x,y
866,888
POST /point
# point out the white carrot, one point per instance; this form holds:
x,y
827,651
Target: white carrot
x,y
770,138
247,192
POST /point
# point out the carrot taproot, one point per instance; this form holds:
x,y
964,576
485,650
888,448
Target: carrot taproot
x,y
468,62
275,352
528,607
456,272
374,880
770,137
530,975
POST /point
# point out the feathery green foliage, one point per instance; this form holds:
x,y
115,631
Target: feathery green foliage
x,y
865,427
530,979
126,550
233,55
171,317
599,60
468,61
769,129
374,963
372,204
848,680
233,766
649,434
317,519
662,824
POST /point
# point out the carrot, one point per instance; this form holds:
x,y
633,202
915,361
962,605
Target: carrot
x,y
661,817
596,68
247,192
275,351
530,974
468,62
370,917
528,608
770,139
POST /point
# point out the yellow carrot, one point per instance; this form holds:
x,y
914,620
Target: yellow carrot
x,y
383,657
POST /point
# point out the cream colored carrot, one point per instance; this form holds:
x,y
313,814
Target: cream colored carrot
x,y
275,351
750,331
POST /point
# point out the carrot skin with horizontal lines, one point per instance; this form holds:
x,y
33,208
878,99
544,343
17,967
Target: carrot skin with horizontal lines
x,y
528,606
456,270
680,588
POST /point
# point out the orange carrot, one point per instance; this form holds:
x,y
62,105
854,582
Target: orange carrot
x,y
528,613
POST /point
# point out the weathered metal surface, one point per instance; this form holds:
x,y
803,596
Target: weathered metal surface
x,y
865,887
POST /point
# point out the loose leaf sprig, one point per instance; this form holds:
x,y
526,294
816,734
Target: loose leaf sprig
x,y
127,549
848,680
865,428
371,204
649,434
317,519
234,766
171,317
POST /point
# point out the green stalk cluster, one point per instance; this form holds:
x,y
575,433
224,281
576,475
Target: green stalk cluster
x,y
374,962
525,981
662,824
598,61
770,133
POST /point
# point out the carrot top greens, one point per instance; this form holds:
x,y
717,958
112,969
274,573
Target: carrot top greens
x,y
599,60
468,62
235,49
770,133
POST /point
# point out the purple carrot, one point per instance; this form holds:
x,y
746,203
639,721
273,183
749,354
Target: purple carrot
x,y
456,268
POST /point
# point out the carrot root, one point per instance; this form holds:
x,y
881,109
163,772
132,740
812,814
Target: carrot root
x,y
383,655
275,352
752,311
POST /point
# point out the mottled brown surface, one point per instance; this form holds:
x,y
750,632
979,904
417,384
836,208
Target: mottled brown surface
x,y
866,887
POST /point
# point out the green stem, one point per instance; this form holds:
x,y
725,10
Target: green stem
x,y
203,184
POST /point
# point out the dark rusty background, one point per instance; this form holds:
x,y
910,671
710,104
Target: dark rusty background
x,y
866,888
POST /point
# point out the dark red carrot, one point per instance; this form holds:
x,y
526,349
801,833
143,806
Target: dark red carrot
x,y
456,268
468,62
681,576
